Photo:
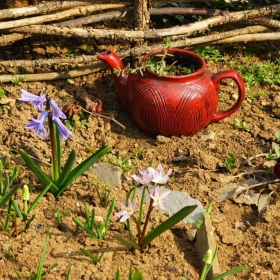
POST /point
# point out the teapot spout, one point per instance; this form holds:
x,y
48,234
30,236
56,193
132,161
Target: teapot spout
x,y
114,62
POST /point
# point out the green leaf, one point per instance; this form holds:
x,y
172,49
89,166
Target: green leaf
x,y
6,225
58,147
134,276
10,181
118,274
7,197
277,134
42,193
17,209
127,242
82,167
39,174
67,168
232,271
108,216
85,228
68,273
176,218
87,253
137,275
41,264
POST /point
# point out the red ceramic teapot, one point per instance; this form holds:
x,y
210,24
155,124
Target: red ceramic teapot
x,y
173,105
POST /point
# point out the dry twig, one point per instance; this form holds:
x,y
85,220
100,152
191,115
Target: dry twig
x,y
184,30
82,10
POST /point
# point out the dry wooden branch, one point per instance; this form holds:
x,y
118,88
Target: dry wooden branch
x,y
55,75
251,38
11,38
41,8
185,30
82,10
78,61
176,1
82,60
186,11
216,38
267,21
90,19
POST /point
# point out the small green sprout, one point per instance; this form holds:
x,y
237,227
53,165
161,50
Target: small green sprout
x,y
210,53
92,257
206,212
137,275
231,162
59,215
10,253
242,125
95,229
18,80
70,53
2,93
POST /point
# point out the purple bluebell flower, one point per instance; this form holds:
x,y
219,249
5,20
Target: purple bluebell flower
x,y
56,112
127,210
159,199
38,124
64,132
37,100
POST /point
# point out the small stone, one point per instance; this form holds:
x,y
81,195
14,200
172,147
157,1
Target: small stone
x,y
191,234
162,139
108,173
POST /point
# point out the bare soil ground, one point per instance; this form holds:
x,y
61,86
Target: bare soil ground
x,y
244,236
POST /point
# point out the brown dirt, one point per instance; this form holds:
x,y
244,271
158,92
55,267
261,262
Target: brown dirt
x,y
244,237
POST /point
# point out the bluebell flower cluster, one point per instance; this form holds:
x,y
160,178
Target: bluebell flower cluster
x,y
39,124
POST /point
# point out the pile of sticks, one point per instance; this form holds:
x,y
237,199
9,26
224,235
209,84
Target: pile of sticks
x,y
75,18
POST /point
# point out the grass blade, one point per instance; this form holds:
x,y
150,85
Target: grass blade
x,y
58,147
118,274
14,175
127,242
176,218
232,271
83,167
43,256
67,168
108,216
92,257
17,210
68,273
42,193
7,197
39,174
84,227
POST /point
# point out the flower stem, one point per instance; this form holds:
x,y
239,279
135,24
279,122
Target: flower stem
x,y
141,237
204,272
55,165
25,207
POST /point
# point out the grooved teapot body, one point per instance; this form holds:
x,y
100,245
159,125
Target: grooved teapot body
x,y
173,105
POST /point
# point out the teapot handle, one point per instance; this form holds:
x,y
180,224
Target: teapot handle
x,y
234,75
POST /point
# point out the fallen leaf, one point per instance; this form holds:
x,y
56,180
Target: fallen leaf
x,y
94,106
248,198
209,137
231,189
264,200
